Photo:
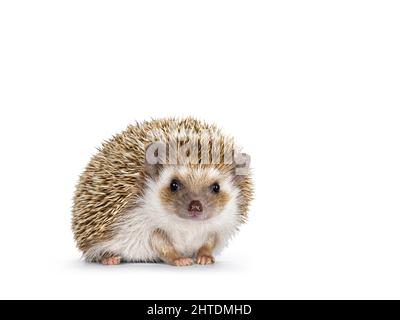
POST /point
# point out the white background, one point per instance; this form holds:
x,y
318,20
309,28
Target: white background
x,y
309,88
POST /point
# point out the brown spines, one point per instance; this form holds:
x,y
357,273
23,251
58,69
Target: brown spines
x,y
106,189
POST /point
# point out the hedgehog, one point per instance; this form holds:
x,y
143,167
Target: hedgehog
x,y
168,190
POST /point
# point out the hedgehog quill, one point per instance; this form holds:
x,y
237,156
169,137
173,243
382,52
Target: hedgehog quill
x,y
166,190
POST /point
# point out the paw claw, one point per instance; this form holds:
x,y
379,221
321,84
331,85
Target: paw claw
x,y
110,261
204,260
183,262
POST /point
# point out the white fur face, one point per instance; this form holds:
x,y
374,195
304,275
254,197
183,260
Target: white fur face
x,y
194,193
189,233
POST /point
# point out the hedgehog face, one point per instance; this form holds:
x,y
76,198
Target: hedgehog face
x,y
196,193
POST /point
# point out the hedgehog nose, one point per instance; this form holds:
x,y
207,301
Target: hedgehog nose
x,y
195,206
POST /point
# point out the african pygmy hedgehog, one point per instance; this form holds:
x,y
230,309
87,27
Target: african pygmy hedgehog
x,y
171,190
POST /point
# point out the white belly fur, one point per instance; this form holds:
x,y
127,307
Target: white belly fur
x,y
132,236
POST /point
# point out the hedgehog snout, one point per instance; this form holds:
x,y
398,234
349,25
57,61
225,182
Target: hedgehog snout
x,y
195,206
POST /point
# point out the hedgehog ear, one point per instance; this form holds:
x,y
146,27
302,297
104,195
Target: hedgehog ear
x,y
155,158
153,170
241,163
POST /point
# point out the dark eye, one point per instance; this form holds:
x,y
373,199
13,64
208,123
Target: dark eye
x,y
174,186
215,188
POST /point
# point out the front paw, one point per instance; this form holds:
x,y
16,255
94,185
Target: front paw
x,y
205,259
111,261
182,262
